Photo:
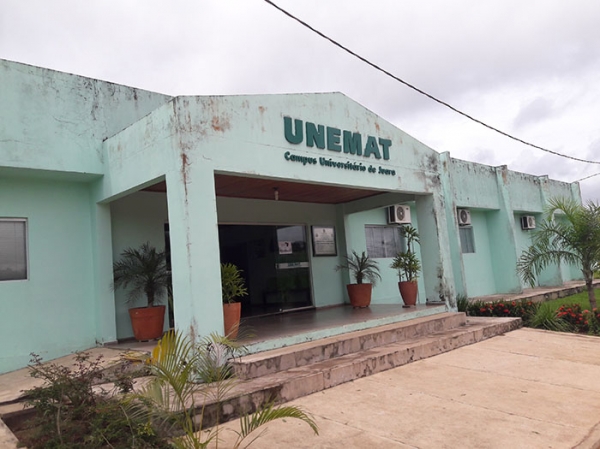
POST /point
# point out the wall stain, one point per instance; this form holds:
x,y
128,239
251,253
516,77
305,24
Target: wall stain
x,y
261,110
220,124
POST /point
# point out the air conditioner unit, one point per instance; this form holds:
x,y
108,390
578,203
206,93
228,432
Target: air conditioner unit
x,y
527,222
464,217
399,214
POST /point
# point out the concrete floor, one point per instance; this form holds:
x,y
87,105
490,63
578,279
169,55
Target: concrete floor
x,y
526,389
261,333
271,331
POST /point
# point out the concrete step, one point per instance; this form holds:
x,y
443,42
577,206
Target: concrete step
x,y
283,359
285,385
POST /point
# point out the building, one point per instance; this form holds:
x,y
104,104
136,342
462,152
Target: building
x,y
89,168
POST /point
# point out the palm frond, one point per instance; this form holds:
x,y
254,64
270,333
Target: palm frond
x,y
545,318
250,423
361,267
570,233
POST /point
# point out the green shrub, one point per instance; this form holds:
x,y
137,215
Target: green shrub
x,y
462,303
70,414
593,319
580,320
573,315
546,317
522,308
172,398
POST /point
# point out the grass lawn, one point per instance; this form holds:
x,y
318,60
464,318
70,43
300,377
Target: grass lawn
x,y
579,298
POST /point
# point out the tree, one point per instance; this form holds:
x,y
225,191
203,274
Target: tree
x,y
570,233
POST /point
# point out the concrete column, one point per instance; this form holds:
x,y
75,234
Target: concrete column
x,y
435,249
194,238
576,192
449,210
503,241
104,300
341,219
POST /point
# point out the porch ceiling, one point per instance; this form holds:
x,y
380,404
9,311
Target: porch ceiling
x,y
264,189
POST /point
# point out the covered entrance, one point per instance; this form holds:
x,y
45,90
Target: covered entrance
x,y
275,264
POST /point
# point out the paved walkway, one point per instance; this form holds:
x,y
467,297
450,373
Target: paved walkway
x,y
540,294
525,389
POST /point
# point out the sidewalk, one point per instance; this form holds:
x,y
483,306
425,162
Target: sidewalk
x,y
540,294
525,389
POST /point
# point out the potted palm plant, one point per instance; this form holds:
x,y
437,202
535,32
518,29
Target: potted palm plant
x,y
232,287
408,266
361,268
144,271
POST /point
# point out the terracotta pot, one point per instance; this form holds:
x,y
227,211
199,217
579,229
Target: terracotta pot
x,y
408,291
232,313
360,294
147,322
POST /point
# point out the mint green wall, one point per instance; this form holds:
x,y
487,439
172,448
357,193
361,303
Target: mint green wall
x,y
52,313
326,282
479,273
523,238
525,192
136,219
386,291
474,185
52,120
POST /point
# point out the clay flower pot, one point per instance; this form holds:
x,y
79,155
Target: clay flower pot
x,y
408,291
232,313
360,294
147,322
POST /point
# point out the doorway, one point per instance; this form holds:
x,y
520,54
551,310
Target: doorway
x,y
275,264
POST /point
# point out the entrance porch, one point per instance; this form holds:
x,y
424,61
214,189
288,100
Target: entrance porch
x,y
267,332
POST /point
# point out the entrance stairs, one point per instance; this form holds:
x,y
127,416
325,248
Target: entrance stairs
x,y
284,374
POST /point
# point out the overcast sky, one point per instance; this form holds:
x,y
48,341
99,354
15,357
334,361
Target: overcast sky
x,y
530,68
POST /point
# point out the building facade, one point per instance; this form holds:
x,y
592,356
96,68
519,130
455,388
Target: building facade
x,y
281,185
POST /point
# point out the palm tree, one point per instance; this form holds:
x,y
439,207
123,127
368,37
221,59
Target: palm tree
x,y
185,377
361,267
573,238
145,269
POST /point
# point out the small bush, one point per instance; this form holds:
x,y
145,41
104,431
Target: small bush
x,y
582,321
573,315
462,303
546,317
519,308
593,319
69,414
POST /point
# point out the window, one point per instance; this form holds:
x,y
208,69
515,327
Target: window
x,y
467,240
13,251
384,241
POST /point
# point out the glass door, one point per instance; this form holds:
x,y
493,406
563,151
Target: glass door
x,y
275,265
292,269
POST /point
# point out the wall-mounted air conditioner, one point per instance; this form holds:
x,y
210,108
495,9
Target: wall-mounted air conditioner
x,y
527,222
399,214
464,217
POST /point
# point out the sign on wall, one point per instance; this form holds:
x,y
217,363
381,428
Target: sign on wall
x,y
323,240
343,142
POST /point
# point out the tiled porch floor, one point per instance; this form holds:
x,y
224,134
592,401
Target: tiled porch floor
x,y
314,320
296,327
305,325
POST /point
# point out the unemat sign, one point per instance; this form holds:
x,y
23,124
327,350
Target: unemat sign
x,y
339,141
